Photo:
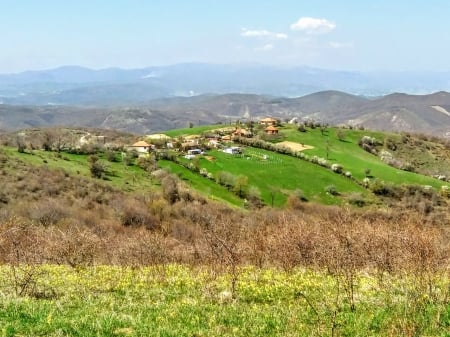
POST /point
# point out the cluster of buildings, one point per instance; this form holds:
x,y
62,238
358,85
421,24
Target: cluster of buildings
x,y
214,139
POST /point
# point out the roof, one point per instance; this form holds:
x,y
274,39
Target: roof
x,y
141,143
271,128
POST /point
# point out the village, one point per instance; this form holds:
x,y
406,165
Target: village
x,y
220,138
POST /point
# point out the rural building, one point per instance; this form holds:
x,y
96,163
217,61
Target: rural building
x,y
140,146
213,143
233,150
195,151
268,121
188,146
242,133
271,130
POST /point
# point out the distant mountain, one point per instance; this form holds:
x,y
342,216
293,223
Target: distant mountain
x,y
73,85
397,112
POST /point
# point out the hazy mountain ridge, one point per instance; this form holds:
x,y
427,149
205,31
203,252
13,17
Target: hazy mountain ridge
x,y
71,85
397,112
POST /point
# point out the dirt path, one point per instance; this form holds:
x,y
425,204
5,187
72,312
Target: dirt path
x,y
295,146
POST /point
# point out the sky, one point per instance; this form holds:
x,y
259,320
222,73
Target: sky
x,y
400,35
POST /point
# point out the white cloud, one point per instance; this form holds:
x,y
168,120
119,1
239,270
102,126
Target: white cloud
x,y
263,34
266,47
340,45
313,25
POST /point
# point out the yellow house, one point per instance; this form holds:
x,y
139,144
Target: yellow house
x,y
140,146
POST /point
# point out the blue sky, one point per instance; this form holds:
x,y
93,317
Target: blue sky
x,y
349,35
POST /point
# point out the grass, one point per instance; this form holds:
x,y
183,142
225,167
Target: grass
x,y
201,184
176,300
280,175
352,157
127,178
196,130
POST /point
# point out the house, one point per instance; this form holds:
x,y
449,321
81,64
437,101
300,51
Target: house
x,y
213,143
271,130
140,146
242,133
188,146
268,121
233,150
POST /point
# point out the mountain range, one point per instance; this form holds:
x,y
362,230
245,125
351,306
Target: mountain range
x,y
396,112
74,85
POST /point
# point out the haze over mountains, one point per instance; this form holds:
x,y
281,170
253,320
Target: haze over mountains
x,y
72,85
160,98
398,112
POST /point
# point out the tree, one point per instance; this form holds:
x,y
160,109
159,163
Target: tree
x,y
254,197
341,135
96,167
240,185
20,141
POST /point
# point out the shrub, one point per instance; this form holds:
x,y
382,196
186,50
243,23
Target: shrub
x,y
96,168
337,168
331,189
357,199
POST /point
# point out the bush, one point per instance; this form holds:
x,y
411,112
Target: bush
x,y
331,189
96,167
357,199
337,168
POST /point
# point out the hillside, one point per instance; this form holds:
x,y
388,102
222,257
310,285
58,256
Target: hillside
x,y
267,174
92,237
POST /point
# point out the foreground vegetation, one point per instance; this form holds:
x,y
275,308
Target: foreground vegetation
x,y
177,300
129,249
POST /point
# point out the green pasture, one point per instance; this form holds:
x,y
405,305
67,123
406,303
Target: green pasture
x,y
278,175
203,185
352,157
176,300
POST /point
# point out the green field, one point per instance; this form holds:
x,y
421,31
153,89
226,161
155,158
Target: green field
x,y
352,157
196,130
177,300
277,175
282,175
201,184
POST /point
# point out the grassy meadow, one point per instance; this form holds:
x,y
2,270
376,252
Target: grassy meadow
x,y
177,300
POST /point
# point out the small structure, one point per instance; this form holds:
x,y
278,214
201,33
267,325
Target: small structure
x,y
239,132
233,150
186,146
213,143
268,121
195,151
226,138
140,147
271,130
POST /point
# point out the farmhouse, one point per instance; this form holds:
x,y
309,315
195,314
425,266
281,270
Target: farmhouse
x,y
271,130
268,121
140,146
